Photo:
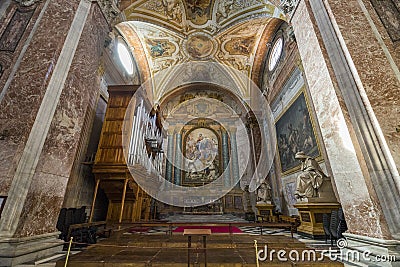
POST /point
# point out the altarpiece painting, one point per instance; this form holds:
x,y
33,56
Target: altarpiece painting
x,y
202,156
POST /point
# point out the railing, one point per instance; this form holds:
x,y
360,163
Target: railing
x,y
290,226
81,226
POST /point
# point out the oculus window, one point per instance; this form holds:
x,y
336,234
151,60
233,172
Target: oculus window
x,y
276,53
125,57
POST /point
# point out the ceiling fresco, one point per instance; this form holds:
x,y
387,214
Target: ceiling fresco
x,y
174,31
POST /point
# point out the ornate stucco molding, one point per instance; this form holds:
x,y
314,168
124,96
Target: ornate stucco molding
x,y
289,6
110,9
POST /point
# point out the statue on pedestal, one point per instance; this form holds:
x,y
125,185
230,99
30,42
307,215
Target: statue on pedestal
x,y
311,178
264,194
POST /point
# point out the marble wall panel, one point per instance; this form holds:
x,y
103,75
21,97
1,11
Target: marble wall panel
x,y
42,205
81,183
376,72
15,29
389,14
22,99
362,210
67,136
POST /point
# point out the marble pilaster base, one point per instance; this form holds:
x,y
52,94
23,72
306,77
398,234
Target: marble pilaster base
x,y
370,248
14,251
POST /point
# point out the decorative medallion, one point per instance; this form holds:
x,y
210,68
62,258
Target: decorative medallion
x,y
200,46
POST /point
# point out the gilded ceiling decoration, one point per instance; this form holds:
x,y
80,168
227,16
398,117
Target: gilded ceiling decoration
x,y
175,31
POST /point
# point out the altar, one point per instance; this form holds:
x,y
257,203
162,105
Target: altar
x,y
215,207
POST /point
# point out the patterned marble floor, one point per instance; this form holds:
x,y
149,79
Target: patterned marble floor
x,y
164,250
154,247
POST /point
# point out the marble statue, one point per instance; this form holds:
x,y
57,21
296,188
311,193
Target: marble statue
x,y
264,194
311,178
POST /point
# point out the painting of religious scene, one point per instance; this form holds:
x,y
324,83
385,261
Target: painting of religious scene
x,y
294,131
198,11
202,163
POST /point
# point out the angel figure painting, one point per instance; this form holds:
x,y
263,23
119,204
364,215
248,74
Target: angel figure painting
x,y
202,157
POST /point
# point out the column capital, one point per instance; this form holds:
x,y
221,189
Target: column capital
x,y
179,127
170,130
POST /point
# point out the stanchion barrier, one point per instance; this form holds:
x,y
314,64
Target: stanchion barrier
x,y
255,245
69,250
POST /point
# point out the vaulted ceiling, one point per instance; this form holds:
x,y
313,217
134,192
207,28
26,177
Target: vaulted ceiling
x,y
165,33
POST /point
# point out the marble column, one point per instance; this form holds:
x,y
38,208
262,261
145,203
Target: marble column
x,y
47,98
170,154
235,162
178,158
349,133
225,159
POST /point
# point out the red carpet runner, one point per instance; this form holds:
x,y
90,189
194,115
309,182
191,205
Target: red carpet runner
x,y
214,229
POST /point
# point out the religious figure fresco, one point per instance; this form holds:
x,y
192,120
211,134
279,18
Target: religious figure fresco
x,y
172,9
240,46
202,157
160,48
198,11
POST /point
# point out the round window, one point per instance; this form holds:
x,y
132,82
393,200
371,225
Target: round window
x,y
125,57
275,54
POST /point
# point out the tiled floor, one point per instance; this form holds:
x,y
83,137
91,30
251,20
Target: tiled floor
x,y
156,248
163,250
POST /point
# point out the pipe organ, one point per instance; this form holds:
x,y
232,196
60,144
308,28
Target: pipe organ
x,y
130,145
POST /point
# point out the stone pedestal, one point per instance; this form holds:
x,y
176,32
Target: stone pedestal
x,y
264,209
14,251
311,218
370,249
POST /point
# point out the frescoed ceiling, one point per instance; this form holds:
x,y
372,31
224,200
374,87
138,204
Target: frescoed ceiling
x,y
175,31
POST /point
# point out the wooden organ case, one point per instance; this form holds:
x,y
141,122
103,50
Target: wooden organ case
x,y
116,160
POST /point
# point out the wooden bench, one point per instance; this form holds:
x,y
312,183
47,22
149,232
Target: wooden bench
x,y
102,228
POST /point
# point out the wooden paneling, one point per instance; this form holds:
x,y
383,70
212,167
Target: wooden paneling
x,y
110,164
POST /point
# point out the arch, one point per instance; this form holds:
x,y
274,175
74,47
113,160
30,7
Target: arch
x,y
136,48
262,50
241,108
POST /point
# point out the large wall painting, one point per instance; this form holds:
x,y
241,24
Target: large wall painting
x,y
295,132
202,156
